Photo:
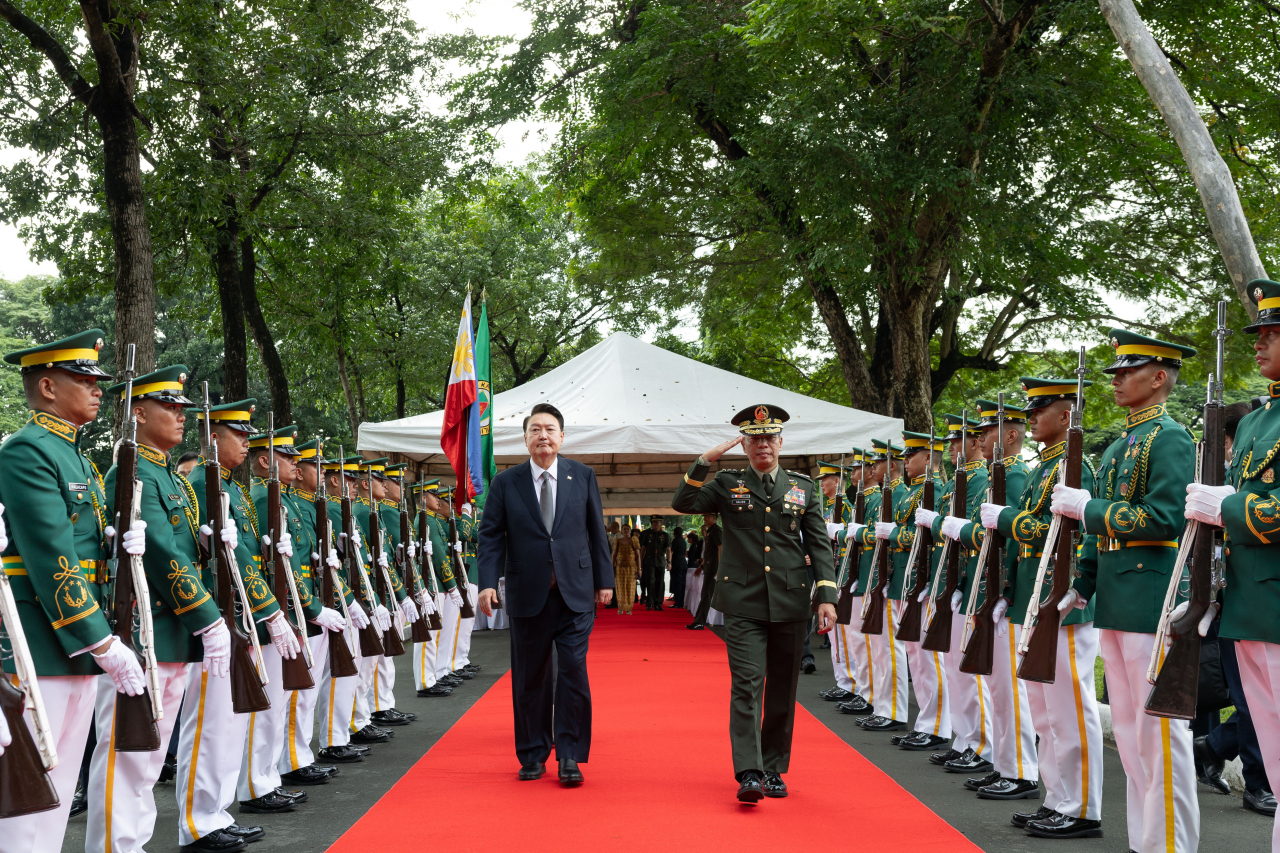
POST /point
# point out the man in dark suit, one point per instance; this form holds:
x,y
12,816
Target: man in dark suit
x,y
544,525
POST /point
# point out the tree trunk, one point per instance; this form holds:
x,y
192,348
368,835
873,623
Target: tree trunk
x,y
276,378
235,347
353,416
1208,170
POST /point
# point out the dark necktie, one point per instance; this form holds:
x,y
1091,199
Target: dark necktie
x,y
548,507
768,485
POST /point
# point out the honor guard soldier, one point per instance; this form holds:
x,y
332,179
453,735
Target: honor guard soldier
x,y
1138,517
297,762
211,737
1064,711
970,696
385,708
452,620
655,556
468,525
1016,770
829,480
186,623
773,523
438,579
872,472
56,512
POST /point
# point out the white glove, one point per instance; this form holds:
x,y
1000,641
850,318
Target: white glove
x,y
355,537
466,510
135,539
330,620
990,513
358,617
217,650
1069,502
4,543
285,546
1204,503
457,546
5,737
412,549
282,636
409,610
951,526
854,527
1070,600
923,595
455,596
833,529
122,665
332,560
997,616
315,558
383,616
230,535
956,598
1209,615
884,529
383,561
426,601
426,546
205,532
925,517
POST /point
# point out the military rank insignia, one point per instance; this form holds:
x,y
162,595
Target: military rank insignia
x,y
1269,475
740,496
795,495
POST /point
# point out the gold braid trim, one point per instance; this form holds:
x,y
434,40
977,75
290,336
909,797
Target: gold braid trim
x,y
1246,474
1046,486
190,510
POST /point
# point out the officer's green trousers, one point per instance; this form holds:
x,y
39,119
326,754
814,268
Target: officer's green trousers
x,y
764,660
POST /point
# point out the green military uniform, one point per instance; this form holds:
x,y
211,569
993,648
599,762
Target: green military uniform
x,y
441,566
350,467
763,589
975,471
654,564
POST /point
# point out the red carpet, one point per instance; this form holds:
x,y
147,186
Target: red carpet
x,y
660,775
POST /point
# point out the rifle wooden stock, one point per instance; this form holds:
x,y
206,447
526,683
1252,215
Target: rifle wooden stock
x,y
909,625
844,601
341,662
873,622
294,674
25,787
424,537
937,637
370,641
979,652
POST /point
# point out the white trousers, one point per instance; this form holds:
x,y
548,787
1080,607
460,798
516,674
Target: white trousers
x,y
889,658
122,803
864,671
1260,676
847,646
1014,735
447,650
364,686
382,696
465,629
210,751
337,701
929,681
264,739
68,703
424,655
1065,714
1163,812
969,699
301,709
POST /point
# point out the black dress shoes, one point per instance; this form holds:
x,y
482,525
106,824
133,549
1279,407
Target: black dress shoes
x,y
408,715
774,787
310,775
1010,789
921,741
340,754
884,724
807,665
874,718
1209,765
857,706
449,680
570,776
941,758
436,690
1064,826
371,734
532,771
247,834
968,762
473,667
218,841
298,797
79,801
463,674
388,718
694,626
1263,802
169,769
750,787
1021,819
836,694
973,783
268,803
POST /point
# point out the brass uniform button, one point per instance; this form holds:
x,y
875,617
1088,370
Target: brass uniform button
x,y
1139,565
766,529
766,568
768,509
173,520
75,516
766,548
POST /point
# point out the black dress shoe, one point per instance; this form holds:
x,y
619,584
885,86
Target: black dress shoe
x,y
362,750
169,769
857,706
873,719
773,786
408,715
247,834
1010,789
807,665
694,626
897,739
922,742
463,674
570,776
836,694
750,787
327,769
436,689
79,801
532,771
449,681
968,762
268,803
1209,766
473,667
884,725
973,783
311,775
218,841
1021,819
1064,826
1263,802
941,758
384,718
298,797
370,734
340,754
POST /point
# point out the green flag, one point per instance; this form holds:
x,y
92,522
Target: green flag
x,y
484,396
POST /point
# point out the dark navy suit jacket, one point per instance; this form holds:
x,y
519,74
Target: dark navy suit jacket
x,y
513,537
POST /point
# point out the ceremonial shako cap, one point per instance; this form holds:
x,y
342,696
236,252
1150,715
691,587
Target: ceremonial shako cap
x,y
396,471
953,426
1265,293
235,415
283,441
163,385
426,486
1134,350
761,419
307,450
913,442
78,354
828,469
1043,392
987,413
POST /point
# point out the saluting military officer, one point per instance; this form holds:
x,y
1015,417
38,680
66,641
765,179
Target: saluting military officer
x,y
1138,517
438,577
187,624
1065,712
763,589
862,704
56,512
829,475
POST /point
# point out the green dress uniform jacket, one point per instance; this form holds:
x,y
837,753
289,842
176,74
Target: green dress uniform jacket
x,y
55,511
846,516
442,564
1026,524
1015,480
1251,599
865,538
468,535
367,519
762,573
970,538
355,584
1137,520
904,515
656,545
181,604
300,562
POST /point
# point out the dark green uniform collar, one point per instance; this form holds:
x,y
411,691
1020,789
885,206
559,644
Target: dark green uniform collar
x,y
1144,415
156,457
1048,454
57,426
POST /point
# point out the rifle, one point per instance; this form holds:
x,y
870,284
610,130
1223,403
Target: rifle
x,y
294,674
979,651
248,672
1039,645
1176,681
837,516
419,631
341,661
391,640
937,637
25,787
370,635
459,577
849,575
909,624
429,566
873,598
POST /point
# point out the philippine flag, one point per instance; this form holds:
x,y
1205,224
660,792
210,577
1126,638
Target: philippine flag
x,y
460,433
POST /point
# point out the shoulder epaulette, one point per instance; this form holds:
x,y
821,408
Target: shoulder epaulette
x,y
801,476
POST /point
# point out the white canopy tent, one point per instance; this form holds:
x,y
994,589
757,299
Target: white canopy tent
x,y
639,415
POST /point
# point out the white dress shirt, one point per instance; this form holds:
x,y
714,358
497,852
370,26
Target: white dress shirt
x,y
537,478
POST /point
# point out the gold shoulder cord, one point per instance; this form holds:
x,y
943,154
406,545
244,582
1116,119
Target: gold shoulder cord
x,y
190,510
1046,486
